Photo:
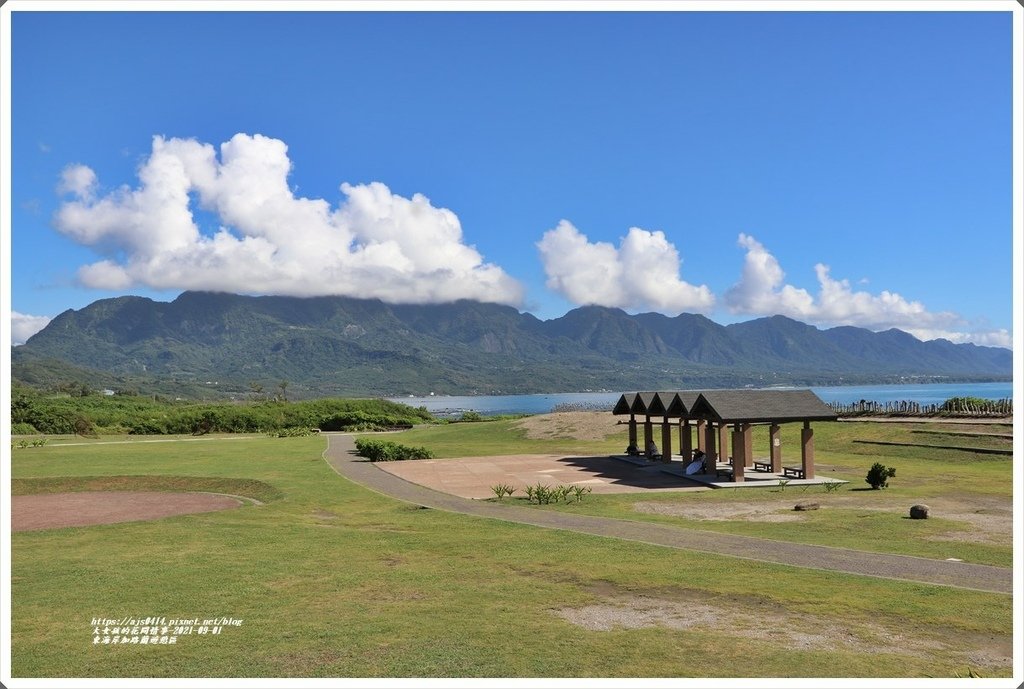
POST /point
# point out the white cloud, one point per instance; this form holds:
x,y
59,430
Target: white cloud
x,y
986,338
642,273
24,326
761,291
372,244
78,180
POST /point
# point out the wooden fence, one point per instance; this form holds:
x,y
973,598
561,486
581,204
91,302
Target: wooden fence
x,y
953,407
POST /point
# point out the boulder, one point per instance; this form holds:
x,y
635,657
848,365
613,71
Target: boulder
x,y
805,506
919,511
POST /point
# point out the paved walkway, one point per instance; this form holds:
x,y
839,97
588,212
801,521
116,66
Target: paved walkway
x,y
340,454
472,477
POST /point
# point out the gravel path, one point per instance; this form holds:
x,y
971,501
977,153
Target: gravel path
x,y
340,454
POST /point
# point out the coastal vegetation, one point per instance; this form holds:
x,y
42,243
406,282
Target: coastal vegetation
x,y
34,412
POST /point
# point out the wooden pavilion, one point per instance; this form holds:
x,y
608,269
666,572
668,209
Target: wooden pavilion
x,y
724,419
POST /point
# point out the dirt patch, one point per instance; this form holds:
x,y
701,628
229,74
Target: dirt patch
x,y
744,617
749,511
579,425
58,510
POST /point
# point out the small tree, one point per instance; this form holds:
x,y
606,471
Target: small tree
x,y
85,428
257,391
879,475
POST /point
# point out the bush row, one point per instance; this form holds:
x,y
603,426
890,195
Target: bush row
x,y
387,451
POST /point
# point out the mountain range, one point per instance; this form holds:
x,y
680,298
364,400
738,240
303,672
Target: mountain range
x,y
218,344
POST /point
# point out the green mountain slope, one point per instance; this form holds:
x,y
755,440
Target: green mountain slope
x,y
340,345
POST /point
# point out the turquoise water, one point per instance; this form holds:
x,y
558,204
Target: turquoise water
x,y
540,404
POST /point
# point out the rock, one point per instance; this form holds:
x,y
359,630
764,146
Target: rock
x,y
805,506
919,511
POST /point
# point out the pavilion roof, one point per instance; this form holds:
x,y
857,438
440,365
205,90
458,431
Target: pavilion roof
x,y
649,403
761,405
728,405
625,404
674,403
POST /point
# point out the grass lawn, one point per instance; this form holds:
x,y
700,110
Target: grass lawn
x,y
504,437
332,580
963,486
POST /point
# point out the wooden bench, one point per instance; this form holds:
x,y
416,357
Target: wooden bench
x,y
793,472
723,471
762,466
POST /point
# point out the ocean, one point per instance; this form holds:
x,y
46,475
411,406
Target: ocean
x,y
491,405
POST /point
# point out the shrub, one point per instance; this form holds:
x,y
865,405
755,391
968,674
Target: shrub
x,y
538,494
290,432
387,451
501,490
966,404
879,475
147,427
471,416
543,495
23,428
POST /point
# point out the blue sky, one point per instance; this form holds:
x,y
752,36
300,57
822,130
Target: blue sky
x,y
836,167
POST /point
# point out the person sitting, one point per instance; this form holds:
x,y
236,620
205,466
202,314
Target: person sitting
x,y
632,450
652,450
699,456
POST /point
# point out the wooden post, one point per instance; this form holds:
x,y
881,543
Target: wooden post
x,y
748,446
775,447
723,442
666,441
632,430
685,442
709,444
738,453
648,437
701,435
807,450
